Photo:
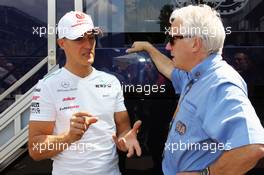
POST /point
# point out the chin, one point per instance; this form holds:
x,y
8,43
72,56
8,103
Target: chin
x,y
90,61
178,66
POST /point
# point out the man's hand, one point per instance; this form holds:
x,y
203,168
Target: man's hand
x,y
79,123
139,46
161,61
129,141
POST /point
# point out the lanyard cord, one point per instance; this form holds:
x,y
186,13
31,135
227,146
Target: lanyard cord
x,y
188,88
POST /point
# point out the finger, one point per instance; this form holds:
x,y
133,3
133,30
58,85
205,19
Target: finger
x,y
130,151
77,131
78,126
131,50
90,120
77,119
133,45
116,141
136,126
81,114
138,149
122,144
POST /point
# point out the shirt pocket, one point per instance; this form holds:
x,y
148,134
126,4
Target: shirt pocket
x,y
189,115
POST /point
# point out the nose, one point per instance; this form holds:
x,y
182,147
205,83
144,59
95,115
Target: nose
x,y
168,46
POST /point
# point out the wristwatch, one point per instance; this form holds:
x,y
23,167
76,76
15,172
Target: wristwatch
x,y
205,171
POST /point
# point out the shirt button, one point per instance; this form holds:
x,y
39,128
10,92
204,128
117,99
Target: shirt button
x,y
197,74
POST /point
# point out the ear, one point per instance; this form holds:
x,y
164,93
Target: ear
x,y
197,44
61,43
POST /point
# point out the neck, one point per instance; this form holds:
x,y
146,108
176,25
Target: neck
x,y
81,71
198,59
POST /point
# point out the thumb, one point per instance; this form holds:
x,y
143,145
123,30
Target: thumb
x,y
115,139
136,126
131,50
90,120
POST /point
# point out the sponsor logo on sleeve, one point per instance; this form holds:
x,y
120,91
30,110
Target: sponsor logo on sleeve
x,y
35,108
35,98
37,90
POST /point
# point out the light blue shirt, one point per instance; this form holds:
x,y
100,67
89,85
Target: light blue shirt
x,y
214,115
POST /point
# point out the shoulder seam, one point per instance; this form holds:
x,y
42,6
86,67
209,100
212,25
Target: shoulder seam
x,y
52,74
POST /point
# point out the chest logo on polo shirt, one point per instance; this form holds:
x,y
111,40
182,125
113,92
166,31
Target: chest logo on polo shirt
x,y
68,98
65,84
69,107
103,84
180,127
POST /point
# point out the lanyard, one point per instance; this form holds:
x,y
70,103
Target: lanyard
x,y
188,88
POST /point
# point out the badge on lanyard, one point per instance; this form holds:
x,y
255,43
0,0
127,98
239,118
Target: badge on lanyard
x,y
180,127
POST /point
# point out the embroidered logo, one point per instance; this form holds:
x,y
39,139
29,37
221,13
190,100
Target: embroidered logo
x,y
68,98
65,84
80,16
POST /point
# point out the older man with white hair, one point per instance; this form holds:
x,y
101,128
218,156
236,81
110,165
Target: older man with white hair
x,y
215,129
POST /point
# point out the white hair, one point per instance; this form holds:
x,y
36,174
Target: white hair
x,y
204,22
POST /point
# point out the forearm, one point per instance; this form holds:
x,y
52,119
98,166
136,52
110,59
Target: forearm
x,y
123,127
162,62
47,146
237,161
